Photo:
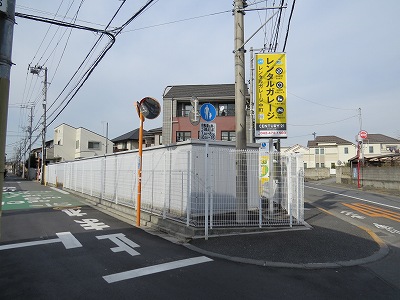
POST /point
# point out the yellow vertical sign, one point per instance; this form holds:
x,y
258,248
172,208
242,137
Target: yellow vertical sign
x,y
263,173
270,107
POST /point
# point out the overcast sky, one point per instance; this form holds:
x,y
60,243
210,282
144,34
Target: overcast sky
x,y
341,56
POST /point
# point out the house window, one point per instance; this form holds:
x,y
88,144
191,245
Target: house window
x,y
319,151
333,166
228,135
183,109
316,151
77,144
391,148
183,136
305,165
94,145
225,109
322,151
317,165
346,150
322,165
371,149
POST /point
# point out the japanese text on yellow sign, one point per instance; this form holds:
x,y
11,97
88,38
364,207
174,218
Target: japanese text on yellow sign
x,y
263,173
270,108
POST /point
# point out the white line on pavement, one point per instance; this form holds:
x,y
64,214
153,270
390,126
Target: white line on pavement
x,y
156,269
352,197
60,191
68,240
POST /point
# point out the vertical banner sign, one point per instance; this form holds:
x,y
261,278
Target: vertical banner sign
x,y
263,172
270,108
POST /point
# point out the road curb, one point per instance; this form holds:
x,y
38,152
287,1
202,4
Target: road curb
x,y
381,253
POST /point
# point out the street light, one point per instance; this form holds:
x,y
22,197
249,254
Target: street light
x,y
36,71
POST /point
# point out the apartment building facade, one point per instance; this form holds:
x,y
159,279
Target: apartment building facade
x,y
177,106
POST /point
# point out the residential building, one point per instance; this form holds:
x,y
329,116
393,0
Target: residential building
x,y
73,143
297,149
177,106
332,151
379,144
130,140
328,152
127,141
153,137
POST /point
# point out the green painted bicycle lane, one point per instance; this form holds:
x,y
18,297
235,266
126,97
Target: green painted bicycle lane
x,y
16,200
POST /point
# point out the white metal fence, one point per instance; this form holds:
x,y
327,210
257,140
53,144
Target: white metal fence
x,y
195,183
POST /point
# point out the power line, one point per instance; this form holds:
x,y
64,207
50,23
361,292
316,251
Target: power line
x,y
327,123
320,104
288,26
97,61
178,21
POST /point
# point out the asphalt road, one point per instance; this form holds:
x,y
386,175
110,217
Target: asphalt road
x,y
377,212
64,249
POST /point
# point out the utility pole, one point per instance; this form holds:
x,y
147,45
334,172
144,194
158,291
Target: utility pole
x,y
30,141
36,70
240,113
7,16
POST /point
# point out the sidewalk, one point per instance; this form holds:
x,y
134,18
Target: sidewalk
x,y
329,243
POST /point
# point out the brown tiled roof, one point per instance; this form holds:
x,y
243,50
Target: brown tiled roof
x,y
131,135
203,91
381,138
327,139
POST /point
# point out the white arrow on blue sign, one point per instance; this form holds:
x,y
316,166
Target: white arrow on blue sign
x,y
208,112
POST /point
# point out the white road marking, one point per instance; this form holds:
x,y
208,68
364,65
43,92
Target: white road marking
x,y
60,191
156,269
68,240
124,244
352,197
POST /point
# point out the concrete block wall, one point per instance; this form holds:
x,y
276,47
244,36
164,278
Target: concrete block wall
x,y
377,177
316,173
381,177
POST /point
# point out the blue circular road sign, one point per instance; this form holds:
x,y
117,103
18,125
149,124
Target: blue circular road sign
x,y
208,112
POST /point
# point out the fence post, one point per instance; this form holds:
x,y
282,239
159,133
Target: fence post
x,y
83,175
92,176
189,187
206,192
211,190
271,176
165,183
102,178
289,187
116,179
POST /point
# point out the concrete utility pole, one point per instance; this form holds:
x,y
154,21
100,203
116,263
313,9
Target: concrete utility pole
x,y
36,70
30,141
7,16
240,113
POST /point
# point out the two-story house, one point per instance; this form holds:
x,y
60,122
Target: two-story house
x,y
130,140
73,143
328,152
177,106
379,144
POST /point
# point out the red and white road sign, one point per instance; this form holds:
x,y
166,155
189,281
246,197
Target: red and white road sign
x,y
363,134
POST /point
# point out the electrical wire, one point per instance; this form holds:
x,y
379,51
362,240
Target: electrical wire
x,y
178,21
288,26
327,123
320,104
